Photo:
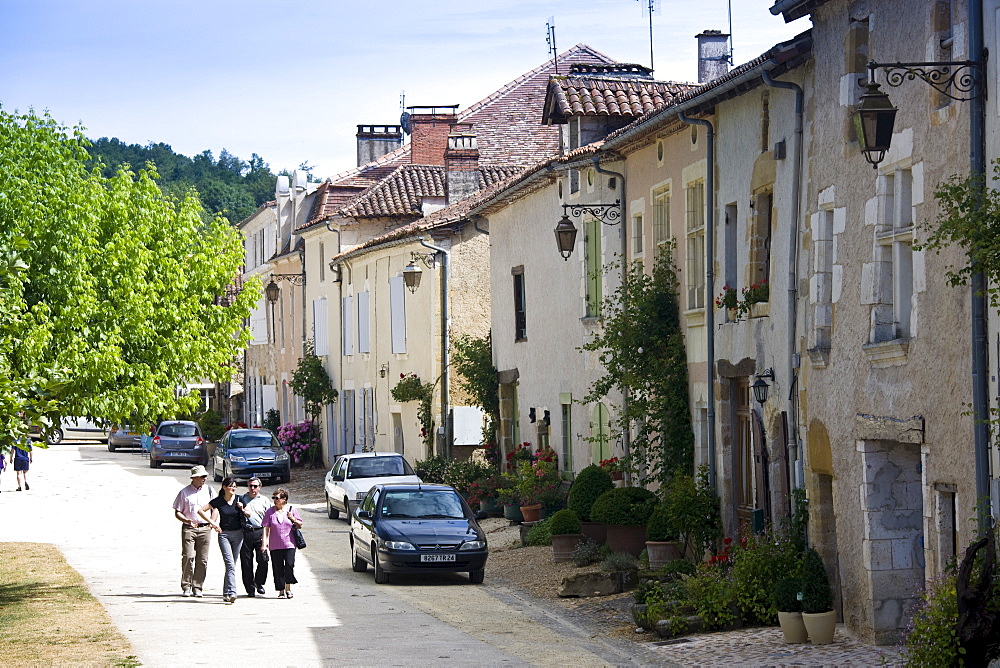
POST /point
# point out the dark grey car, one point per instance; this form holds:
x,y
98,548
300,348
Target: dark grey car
x,y
177,441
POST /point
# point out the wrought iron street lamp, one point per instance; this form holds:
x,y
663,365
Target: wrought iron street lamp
x,y
609,214
272,291
873,121
760,387
413,273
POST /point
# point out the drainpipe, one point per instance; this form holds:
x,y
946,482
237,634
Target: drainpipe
x,y
793,272
340,343
445,345
709,284
980,351
623,239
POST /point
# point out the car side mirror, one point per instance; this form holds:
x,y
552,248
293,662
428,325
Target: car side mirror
x,y
481,514
364,514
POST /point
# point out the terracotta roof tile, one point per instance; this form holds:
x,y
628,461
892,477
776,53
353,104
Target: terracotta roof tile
x,y
582,93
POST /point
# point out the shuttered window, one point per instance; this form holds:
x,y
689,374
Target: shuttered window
x,y
364,323
397,314
321,340
346,313
595,282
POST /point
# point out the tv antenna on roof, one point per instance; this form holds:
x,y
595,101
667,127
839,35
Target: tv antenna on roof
x,y
550,38
650,7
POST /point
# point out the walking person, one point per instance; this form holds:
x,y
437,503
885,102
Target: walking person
x,y
278,522
255,505
195,533
230,530
22,462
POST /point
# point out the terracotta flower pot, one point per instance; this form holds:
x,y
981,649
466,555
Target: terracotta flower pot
x,y
662,552
532,513
512,512
595,531
793,628
630,538
820,626
563,546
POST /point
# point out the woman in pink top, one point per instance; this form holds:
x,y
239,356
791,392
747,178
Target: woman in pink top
x,y
277,523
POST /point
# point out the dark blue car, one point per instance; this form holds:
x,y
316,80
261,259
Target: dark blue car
x,y
417,528
249,453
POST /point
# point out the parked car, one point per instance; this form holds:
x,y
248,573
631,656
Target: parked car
x,y
123,436
177,441
245,453
73,429
351,476
417,528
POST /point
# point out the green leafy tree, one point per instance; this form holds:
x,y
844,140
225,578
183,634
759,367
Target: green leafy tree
x,y
311,382
641,348
109,291
473,359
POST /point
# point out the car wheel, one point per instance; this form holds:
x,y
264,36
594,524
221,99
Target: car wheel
x,y
153,464
225,473
347,510
381,577
111,446
333,513
358,564
56,437
476,577
215,474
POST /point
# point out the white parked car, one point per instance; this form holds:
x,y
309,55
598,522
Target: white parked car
x,y
348,482
75,429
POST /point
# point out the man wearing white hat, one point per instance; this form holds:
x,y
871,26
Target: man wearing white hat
x,y
195,534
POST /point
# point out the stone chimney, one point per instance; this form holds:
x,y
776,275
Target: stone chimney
x,y
713,55
429,130
374,141
461,162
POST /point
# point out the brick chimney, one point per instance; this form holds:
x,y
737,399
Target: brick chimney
x,y
429,129
374,141
713,55
461,162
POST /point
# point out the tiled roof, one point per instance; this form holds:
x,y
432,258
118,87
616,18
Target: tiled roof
x,y
615,96
448,216
402,192
508,135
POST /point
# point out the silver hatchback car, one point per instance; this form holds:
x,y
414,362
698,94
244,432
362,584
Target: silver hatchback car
x,y
177,441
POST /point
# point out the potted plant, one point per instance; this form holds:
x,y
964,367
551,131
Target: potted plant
x,y
590,483
539,485
662,538
566,535
817,600
483,491
786,600
614,467
625,511
509,497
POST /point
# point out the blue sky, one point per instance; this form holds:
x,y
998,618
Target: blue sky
x,y
290,81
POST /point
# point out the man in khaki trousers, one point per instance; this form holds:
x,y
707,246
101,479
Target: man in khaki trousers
x,y
195,534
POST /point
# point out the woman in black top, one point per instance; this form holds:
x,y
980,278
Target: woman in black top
x,y
230,528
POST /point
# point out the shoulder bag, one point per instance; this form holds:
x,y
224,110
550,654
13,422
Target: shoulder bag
x,y
297,537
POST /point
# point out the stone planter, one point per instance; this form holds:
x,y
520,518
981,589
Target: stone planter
x,y
662,552
820,626
563,546
532,512
793,628
490,506
595,531
630,538
513,513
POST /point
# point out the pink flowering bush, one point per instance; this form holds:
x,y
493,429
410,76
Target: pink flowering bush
x,y
301,442
539,482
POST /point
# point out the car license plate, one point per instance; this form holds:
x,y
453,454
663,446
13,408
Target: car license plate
x,y
437,557
263,475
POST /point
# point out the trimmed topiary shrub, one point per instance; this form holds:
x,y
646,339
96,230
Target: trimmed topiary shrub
x,y
590,483
816,594
540,533
786,595
564,522
659,528
624,505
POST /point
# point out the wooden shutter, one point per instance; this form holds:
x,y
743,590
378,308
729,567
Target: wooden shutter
x,y
397,313
364,323
320,332
347,311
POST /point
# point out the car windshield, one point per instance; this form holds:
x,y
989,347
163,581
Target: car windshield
x,y
252,441
422,504
378,467
178,430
